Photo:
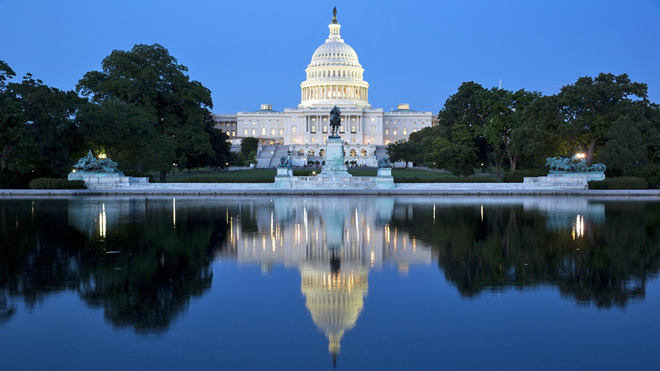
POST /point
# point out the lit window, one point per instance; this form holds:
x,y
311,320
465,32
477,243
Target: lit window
x,y
325,129
405,131
272,132
293,129
281,132
387,131
394,132
313,129
254,132
245,132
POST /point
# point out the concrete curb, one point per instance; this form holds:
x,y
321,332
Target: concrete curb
x,y
225,189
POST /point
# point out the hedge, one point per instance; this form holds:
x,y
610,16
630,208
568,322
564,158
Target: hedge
x,y
624,182
519,175
53,183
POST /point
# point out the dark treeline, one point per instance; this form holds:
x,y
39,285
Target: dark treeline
x,y
141,110
608,118
606,261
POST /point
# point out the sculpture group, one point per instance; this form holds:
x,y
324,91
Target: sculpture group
x,y
92,164
561,165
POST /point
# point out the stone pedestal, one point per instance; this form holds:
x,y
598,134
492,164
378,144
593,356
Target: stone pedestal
x,y
334,159
284,171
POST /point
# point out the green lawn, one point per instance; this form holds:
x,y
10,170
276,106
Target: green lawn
x,y
268,176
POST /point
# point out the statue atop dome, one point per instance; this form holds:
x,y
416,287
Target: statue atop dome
x,y
334,15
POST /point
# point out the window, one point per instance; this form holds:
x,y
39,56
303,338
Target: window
x,y
353,129
394,131
281,132
301,152
363,152
293,129
325,129
245,132
322,153
254,132
353,153
311,151
263,131
387,131
405,131
373,128
313,129
272,132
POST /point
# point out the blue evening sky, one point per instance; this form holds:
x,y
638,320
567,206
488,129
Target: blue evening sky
x,y
415,51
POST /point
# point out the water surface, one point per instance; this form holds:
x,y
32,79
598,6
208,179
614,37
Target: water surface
x,y
354,283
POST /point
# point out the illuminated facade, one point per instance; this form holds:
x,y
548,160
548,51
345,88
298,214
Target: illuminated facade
x,y
333,77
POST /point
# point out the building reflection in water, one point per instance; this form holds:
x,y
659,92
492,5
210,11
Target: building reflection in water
x,y
334,242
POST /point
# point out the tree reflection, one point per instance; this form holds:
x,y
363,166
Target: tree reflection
x,y
143,270
497,246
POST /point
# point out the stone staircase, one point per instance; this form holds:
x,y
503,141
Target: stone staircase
x,y
280,151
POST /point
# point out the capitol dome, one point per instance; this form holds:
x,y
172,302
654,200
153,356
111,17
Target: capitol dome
x,y
334,76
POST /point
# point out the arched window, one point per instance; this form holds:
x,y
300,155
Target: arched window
x,y
353,153
353,129
310,153
313,129
301,152
363,152
322,153
263,131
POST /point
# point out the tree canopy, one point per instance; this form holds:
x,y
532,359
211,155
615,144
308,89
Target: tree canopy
x,y
149,78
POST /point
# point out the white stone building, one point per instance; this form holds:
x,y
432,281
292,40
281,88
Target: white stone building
x,y
333,77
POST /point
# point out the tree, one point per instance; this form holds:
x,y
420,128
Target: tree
x,y
459,128
49,117
589,107
12,129
456,152
249,145
124,133
401,150
149,78
503,110
624,146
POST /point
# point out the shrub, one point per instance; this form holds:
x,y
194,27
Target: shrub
x,y
650,173
519,175
53,183
624,182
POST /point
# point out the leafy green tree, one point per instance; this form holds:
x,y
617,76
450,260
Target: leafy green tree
x,y
401,150
13,133
459,129
249,145
49,116
624,146
456,152
148,77
503,111
124,133
590,106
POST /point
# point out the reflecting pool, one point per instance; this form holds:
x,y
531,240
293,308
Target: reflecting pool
x,y
314,283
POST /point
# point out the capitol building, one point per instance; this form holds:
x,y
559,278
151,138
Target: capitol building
x,y
333,77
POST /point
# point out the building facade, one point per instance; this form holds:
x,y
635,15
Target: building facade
x,y
333,77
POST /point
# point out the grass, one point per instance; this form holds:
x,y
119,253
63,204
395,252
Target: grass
x,y
268,176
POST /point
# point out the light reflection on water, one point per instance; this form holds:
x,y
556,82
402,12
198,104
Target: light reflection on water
x,y
142,261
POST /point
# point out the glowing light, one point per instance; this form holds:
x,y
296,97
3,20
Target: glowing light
x,y
580,155
174,212
102,222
